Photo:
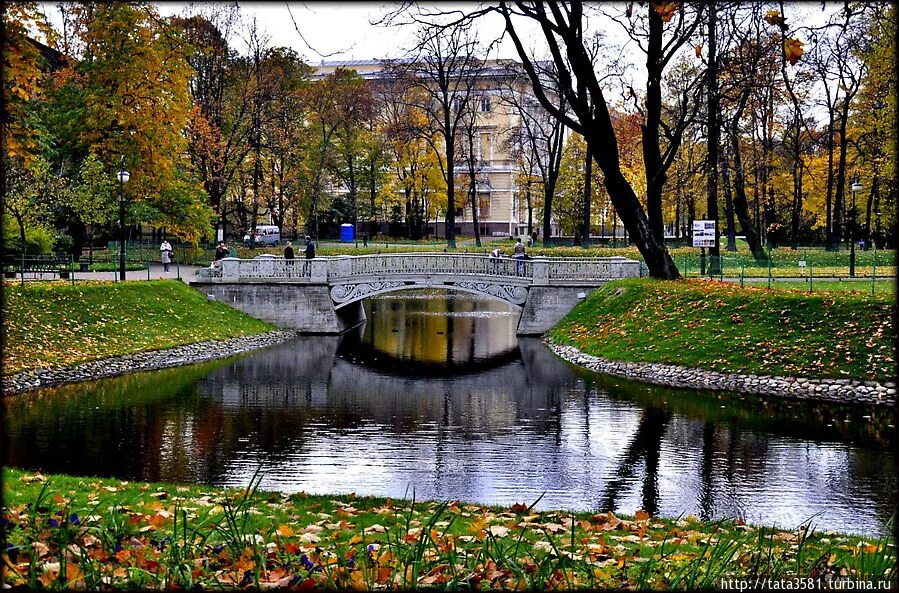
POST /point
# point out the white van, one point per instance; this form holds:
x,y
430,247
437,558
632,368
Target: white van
x,y
266,234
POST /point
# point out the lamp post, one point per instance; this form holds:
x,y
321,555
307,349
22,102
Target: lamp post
x,y
123,178
856,187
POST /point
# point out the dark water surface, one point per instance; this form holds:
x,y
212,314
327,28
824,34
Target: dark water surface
x,y
437,395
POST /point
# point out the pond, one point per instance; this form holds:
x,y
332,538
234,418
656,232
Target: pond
x,y
435,396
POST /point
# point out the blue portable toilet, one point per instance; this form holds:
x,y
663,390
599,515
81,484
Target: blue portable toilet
x,y
347,233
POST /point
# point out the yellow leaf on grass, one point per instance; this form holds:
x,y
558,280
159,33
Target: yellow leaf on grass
x,y
498,531
285,531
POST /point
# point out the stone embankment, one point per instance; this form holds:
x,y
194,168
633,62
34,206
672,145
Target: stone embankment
x,y
836,390
142,361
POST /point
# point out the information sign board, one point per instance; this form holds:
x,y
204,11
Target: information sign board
x,y
703,233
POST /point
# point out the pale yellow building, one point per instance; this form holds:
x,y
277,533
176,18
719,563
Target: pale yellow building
x,y
500,213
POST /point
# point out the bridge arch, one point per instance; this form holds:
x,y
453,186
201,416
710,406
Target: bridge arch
x,y
347,293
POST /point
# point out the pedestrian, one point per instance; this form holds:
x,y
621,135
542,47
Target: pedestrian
x,y
165,253
365,239
220,252
310,248
519,255
495,254
288,252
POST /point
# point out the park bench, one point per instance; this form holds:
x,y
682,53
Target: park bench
x,y
37,266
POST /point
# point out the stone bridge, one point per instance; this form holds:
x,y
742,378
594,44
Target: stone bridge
x,y
324,295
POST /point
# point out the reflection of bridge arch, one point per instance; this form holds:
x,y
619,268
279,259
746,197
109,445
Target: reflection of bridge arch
x,y
366,357
308,370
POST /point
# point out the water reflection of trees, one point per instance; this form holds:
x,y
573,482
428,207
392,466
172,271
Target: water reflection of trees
x,y
517,426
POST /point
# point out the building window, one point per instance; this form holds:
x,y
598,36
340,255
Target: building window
x,y
485,103
485,148
484,204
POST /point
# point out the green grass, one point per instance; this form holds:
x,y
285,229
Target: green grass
x,y
114,267
82,532
858,286
55,324
722,327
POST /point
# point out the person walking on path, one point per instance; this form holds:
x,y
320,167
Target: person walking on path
x,y
310,248
165,253
519,255
288,252
220,252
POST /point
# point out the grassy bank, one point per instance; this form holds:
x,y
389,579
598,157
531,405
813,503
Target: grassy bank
x,y
51,325
722,327
64,531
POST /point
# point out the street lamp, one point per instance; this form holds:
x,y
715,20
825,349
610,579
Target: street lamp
x,y
123,179
856,187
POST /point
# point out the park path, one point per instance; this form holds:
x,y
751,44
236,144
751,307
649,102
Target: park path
x,y
186,273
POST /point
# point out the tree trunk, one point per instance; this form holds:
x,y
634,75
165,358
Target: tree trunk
x,y
728,204
372,192
797,203
839,202
530,206
450,185
652,153
473,186
657,258
474,213
828,228
549,190
588,191
869,208
712,135
741,207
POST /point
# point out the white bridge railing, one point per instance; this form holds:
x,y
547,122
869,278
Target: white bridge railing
x,y
538,270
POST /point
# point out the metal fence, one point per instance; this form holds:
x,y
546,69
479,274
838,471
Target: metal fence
x,y
801,268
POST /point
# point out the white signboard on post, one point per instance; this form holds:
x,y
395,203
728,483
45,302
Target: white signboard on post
x,y
703,233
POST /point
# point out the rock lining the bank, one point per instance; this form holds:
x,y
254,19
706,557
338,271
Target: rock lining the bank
x,y
142,361
834,390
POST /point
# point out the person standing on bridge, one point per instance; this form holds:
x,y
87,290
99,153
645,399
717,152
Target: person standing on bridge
x,y
288,253
310,248
220,252
519,254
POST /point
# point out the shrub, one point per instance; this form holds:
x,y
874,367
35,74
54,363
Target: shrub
x,y
63,245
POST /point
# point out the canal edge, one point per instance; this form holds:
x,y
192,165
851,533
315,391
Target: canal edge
x,y
151,360
831,390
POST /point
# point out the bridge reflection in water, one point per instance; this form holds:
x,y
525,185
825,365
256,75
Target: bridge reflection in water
x,y
499,424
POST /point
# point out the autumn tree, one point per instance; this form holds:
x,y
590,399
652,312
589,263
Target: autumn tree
x,y
416,172
128,93
876,120
576,178
538,139
329,102
282,138
660,30
30,192
444,68
354,143
563,27
94,198
220,89
24,74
